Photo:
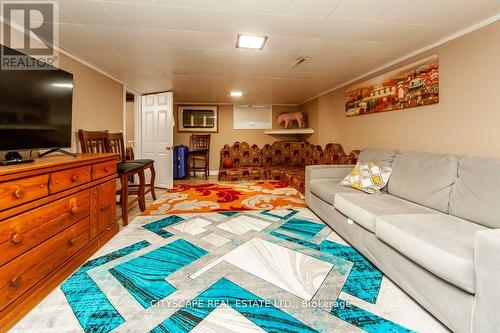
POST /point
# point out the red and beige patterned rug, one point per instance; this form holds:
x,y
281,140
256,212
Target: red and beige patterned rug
x,y
234,196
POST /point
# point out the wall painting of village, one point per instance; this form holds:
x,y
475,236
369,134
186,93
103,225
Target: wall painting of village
x,y
413,85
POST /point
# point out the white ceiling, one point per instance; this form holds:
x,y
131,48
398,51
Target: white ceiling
x,y
188,46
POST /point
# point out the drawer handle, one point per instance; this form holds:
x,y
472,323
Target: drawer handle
x,y
72,242
19,193
107,169
105,206
16,281
73,207
74,178
17,238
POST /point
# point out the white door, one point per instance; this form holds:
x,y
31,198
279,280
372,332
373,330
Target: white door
x,y
157,123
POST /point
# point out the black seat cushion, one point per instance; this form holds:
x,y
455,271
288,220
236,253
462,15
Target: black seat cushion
x,y
143,161
199,152
126,167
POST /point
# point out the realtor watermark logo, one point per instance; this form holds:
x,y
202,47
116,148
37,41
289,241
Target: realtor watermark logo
x,y
30,35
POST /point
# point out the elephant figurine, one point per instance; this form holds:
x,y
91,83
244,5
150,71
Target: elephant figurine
x,y
289,117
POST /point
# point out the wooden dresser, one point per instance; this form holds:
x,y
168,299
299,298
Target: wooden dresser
x,y
54,214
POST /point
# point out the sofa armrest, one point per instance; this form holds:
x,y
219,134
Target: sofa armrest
x,y
486,316
336,171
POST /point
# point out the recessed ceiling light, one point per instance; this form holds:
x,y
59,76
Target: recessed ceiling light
x,y
251,42
236,93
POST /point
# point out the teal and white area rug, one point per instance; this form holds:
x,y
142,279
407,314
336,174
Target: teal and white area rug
x,y
247,271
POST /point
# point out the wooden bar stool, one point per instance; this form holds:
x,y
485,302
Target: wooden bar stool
x,y
99,142
199,150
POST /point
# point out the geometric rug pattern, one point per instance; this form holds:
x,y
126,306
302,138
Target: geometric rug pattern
x,y
277,270
229,197
255,271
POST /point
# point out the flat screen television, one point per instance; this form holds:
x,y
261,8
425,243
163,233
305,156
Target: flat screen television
x,y
35,109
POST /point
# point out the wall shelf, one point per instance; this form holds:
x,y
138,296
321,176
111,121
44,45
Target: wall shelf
x,y
290,131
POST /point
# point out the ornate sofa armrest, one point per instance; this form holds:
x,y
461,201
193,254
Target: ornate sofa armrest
x,y
486,316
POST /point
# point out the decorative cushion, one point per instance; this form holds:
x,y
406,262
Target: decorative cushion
x,y
368,177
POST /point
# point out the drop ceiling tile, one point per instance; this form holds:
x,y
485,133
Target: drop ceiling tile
x,y
200,40
146,36
318,8
284,44
95,49
336,29
109,34
87,12
360,9
136,15
75,33
480,11
423,12
312,8
387,32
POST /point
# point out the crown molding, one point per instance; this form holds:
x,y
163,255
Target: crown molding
x,y
456,35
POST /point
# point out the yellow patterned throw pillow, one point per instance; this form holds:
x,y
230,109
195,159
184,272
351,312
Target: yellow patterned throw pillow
x,y
368,177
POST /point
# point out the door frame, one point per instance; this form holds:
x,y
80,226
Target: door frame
x,y
138,125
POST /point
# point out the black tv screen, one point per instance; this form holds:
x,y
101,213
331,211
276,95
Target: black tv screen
x,y
35,109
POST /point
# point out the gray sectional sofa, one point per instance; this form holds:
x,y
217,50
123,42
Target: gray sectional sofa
x,y
434,230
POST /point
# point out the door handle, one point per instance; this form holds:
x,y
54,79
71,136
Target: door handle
x,y
170,147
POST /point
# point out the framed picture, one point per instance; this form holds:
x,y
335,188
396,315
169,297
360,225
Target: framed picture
x,y
414,85
198,118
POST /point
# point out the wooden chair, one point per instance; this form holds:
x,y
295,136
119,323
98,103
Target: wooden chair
x,y
199,150
117,145
99,142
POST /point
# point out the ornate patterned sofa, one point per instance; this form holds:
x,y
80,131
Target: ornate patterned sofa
x,y
280,160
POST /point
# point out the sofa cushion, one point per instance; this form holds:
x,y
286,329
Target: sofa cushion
x,y
365,208
382,157
326,189
424,178
476,193
442,244
242,173
295,177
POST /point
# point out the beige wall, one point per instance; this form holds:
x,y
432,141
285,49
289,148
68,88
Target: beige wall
x,y
228,135
97,99
466,120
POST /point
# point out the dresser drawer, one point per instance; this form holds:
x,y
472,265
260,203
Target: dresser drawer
x,y
63,180
24,272
17,192
104,169
23,232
